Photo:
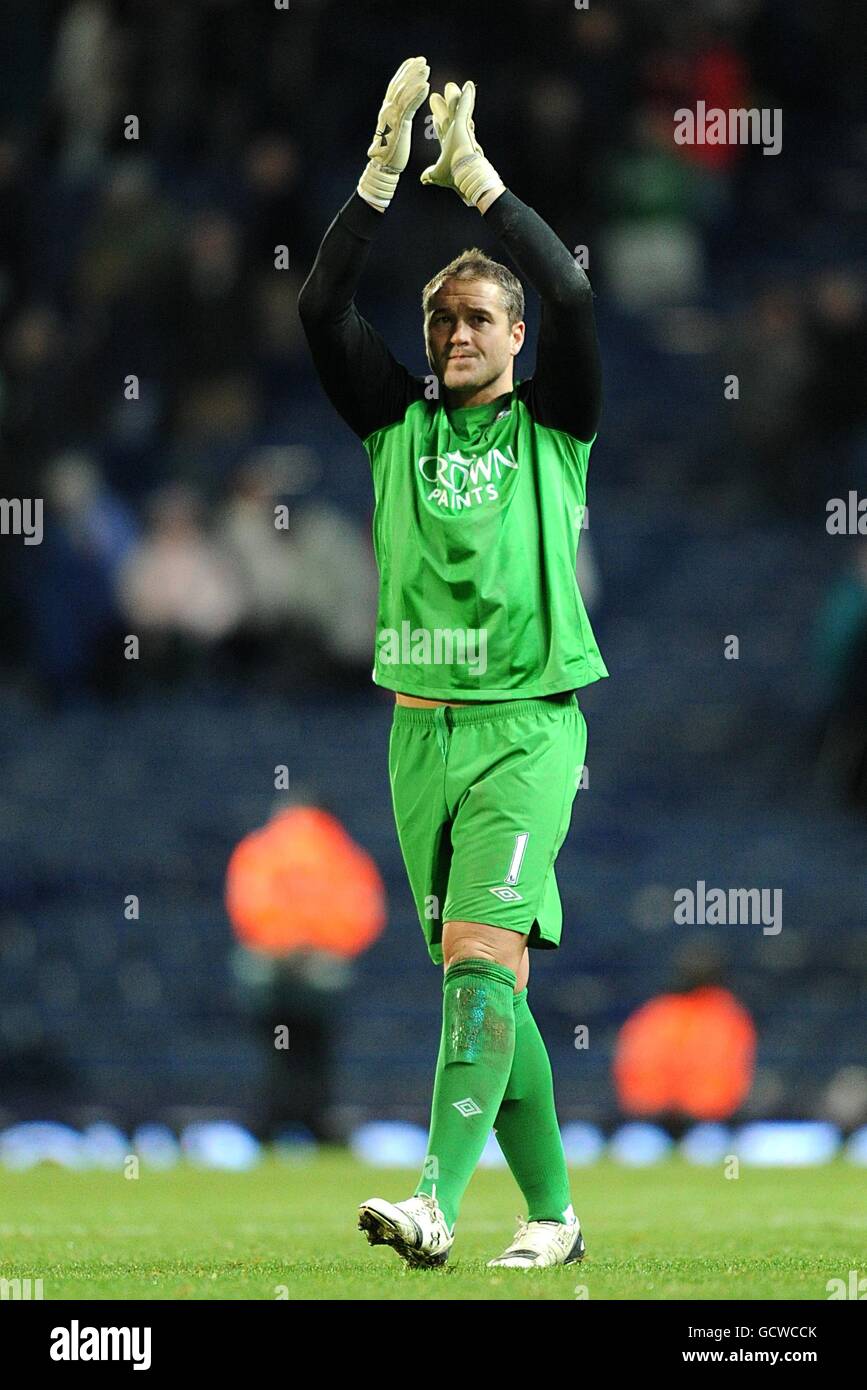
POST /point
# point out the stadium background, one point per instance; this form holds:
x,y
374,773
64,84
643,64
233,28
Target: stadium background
x,y
155,256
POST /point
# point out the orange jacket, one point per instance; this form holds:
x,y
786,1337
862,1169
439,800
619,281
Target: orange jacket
x,y
301,883
692,1053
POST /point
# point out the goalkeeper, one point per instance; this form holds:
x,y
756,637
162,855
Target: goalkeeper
x,y
483,637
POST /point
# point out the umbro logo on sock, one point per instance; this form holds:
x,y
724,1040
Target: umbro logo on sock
x,y
467,1106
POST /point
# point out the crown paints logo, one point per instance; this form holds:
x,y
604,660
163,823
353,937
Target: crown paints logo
x,y
458,481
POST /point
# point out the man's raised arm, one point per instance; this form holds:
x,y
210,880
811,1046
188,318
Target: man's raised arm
x,y
361,378
566,389
567,382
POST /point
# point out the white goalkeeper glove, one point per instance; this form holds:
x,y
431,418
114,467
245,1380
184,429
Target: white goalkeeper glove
x,y
462,164
389,151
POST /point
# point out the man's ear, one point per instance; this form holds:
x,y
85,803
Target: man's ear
x,y
523,327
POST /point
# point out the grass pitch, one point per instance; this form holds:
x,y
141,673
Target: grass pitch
x,y
288,1229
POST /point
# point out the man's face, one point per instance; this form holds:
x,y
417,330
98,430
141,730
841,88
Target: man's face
x,y
467,335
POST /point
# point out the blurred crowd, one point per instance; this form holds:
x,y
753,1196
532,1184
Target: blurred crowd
x,y
154,383
279,595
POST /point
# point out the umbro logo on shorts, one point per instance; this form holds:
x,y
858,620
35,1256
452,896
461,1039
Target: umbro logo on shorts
x,y
508,895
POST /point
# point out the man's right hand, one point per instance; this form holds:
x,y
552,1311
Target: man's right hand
x,y
388,155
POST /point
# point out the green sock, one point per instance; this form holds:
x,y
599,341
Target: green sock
x,y
526,1126
473,1066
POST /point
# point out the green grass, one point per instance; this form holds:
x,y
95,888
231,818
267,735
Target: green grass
x,y
667,1232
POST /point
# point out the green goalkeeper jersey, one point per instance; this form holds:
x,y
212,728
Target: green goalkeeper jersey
x,y
476,528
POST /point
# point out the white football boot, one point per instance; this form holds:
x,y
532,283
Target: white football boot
x,y
541,1243
416,1229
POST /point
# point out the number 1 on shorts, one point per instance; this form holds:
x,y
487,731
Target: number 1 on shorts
x,y
518,857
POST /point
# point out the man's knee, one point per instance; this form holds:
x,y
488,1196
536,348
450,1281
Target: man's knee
x,y
480,941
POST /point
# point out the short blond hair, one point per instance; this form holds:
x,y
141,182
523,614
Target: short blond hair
x,y
475,265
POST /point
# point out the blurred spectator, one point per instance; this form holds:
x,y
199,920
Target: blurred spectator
x,y
70,593
87,84
840,653
652,248
129,252
41,397
587,573
768,350
272,167
687,1056
212,310
14,220
177,590
92,516
835,398
310,585
304,900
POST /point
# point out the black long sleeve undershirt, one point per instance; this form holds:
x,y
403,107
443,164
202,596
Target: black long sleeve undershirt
x,y
369,388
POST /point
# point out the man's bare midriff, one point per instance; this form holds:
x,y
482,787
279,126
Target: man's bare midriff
x,y
416,701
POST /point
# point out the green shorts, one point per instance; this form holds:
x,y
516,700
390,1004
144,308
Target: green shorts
x,y
482,798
